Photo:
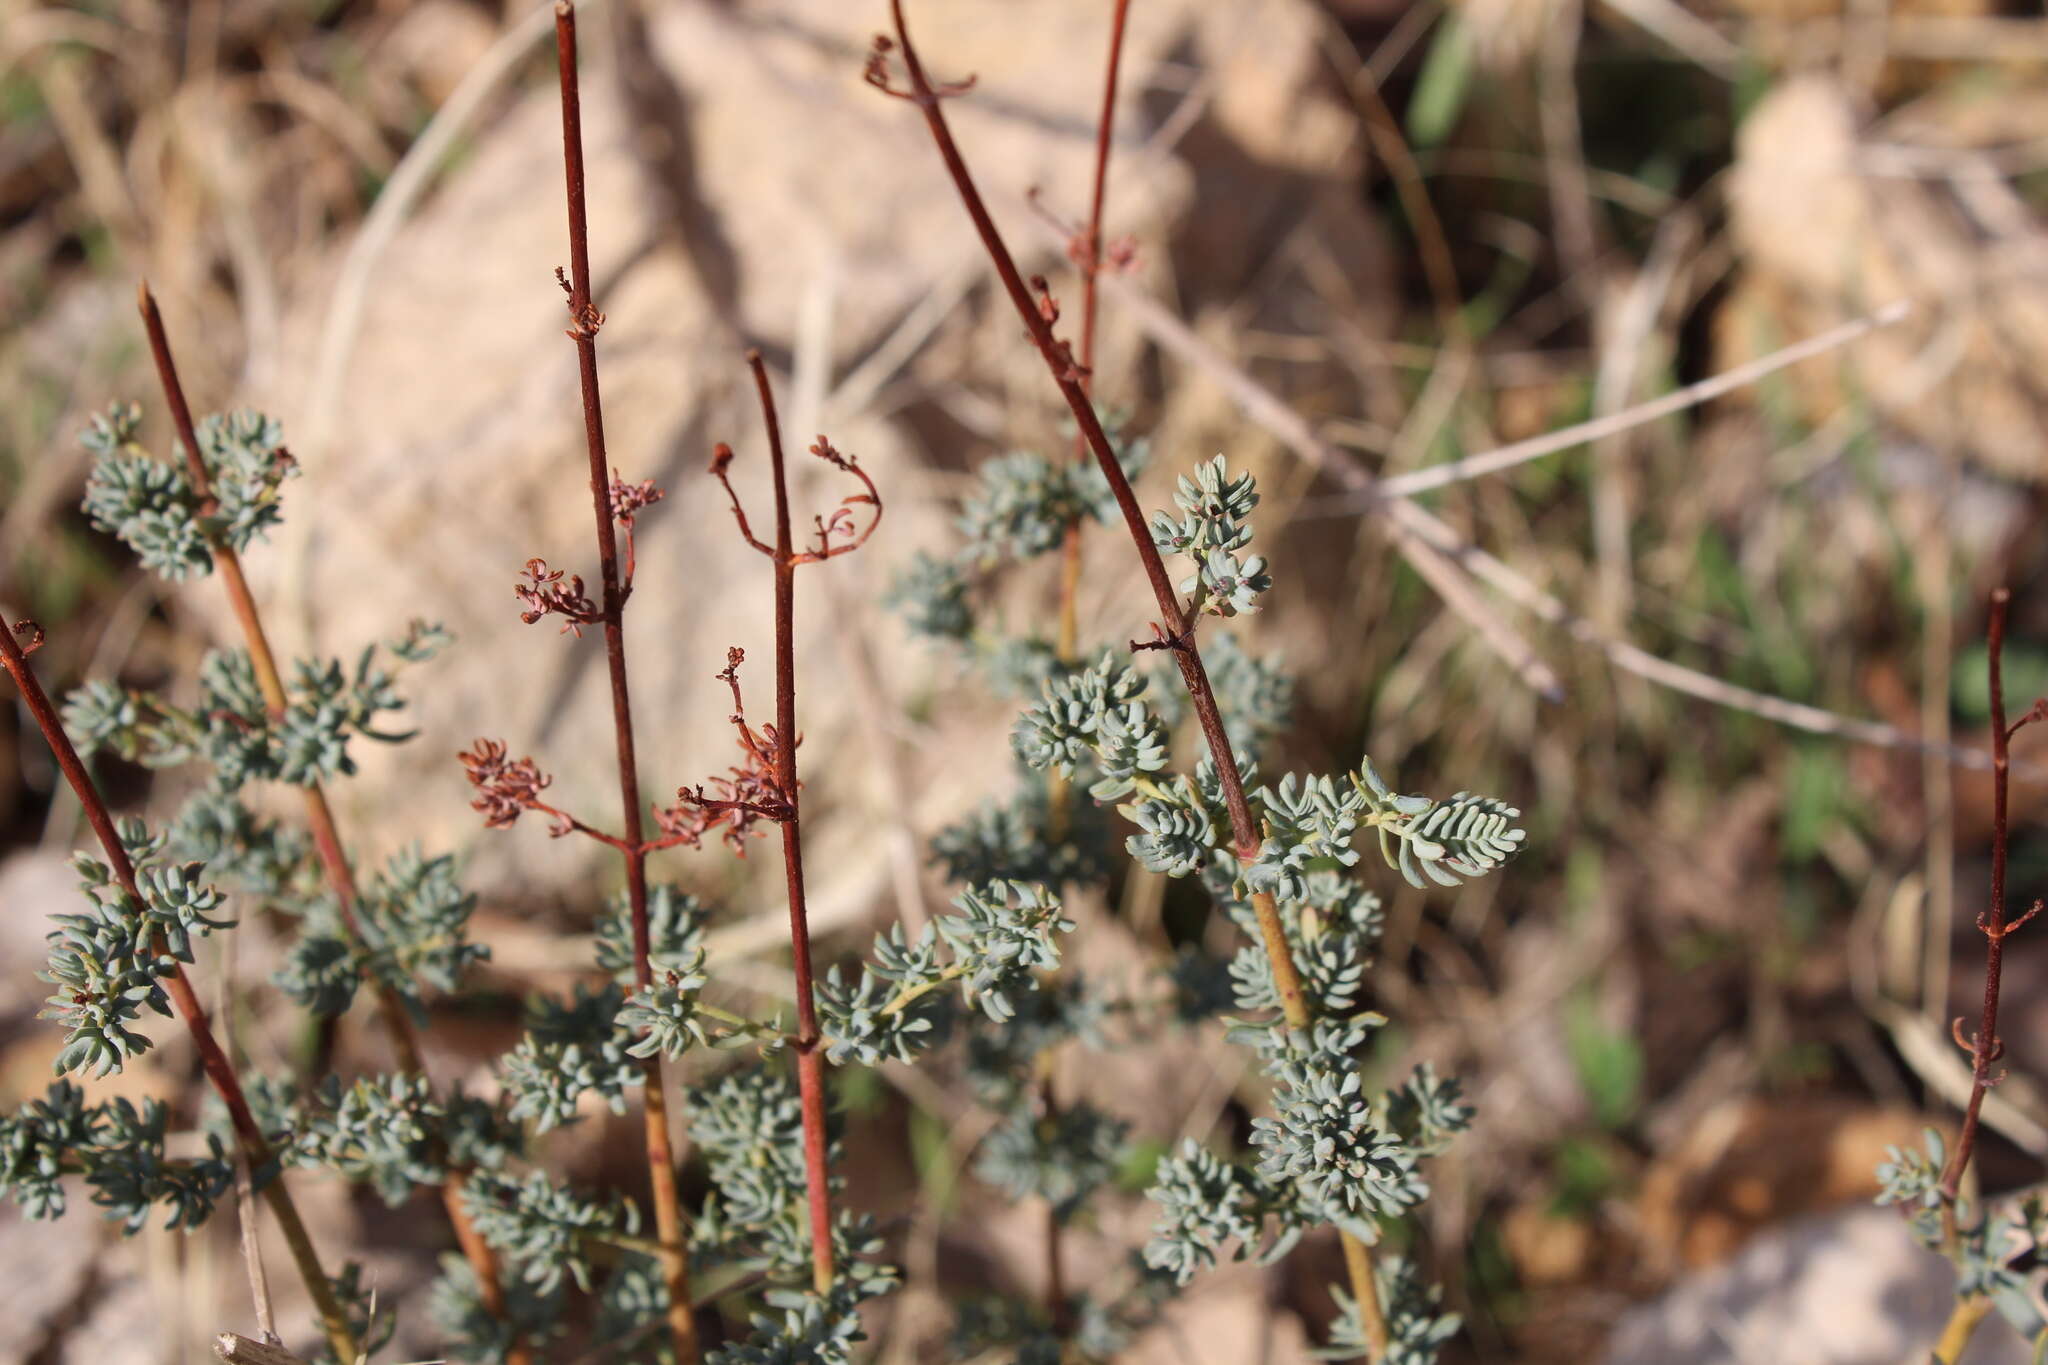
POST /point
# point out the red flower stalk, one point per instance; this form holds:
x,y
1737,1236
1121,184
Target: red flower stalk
x,y
766,787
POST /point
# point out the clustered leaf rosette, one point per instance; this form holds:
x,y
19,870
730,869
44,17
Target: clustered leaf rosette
x,y
749,1125
1214,525
1016,512
108,961
1417,1328
391,1133
676,922
1097,720
1014,840
1205,1204
231,731
412,931
118,1149
571,1048
1062,1157
1002,935
151,505
544,1230
456,1304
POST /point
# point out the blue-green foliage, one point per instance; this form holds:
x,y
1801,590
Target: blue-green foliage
x,y
1062,1157
108,961
675,933
244,849
1214,524
1098,732
1207,1203
1417,1328
1448,841
1014,841
1002,936
371,1328
456,1305
118,1149
1911,1178
664,1015
1999,1249
544,1230
230,730
151,504
1096,720
571,1048
1322,1144
411,931
750,1127
1333,1150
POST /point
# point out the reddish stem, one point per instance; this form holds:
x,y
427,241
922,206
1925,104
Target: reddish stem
x,y
219,1071
1178,629
1060,792
1986,1048
810,1059
1244,830
585,321
319,813
1091,263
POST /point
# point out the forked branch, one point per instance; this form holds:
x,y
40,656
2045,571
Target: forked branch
x,y
334,862
765,786
1984,1045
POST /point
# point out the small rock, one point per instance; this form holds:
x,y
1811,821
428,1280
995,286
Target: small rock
x,y
1847,1288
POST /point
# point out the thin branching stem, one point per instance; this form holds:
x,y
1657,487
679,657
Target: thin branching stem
x,y
1186,653
1178,627
1087,253
810,1056
586,320
320,821
219,1071
1986,1048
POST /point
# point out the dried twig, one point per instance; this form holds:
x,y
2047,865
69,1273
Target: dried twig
x,y
236,1349
1585,433
1412,527
245,1186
